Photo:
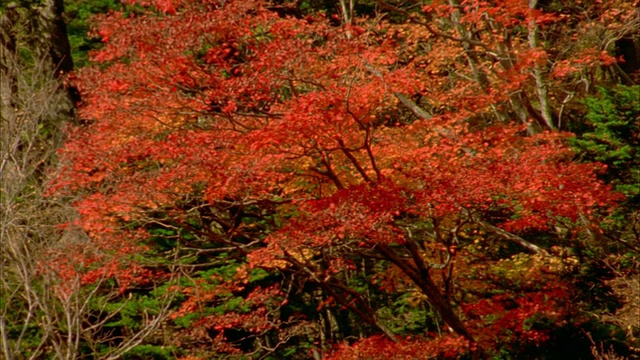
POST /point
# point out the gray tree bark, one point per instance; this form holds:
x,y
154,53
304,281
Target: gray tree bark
x,y
33,34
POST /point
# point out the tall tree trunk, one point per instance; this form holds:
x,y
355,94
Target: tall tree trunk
x,y
8,86
538,71
58,41
29,35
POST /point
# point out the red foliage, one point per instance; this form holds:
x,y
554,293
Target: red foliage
x,y
235,105
378,347
523,319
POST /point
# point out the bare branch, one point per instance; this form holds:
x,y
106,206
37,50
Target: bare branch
x,y
515,238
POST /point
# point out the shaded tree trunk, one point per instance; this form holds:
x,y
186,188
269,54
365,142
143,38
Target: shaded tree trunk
x,y
33,34
58,41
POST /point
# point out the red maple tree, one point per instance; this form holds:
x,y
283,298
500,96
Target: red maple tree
x,y
304,147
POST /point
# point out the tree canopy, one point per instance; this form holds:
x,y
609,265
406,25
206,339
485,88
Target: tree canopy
x,y
351,180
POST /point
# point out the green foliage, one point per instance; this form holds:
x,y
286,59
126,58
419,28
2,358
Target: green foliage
x,y
132,310
412,314
78,14
32,334
614,138
150,352
208,281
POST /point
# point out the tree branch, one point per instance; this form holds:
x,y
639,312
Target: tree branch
x,y
515,238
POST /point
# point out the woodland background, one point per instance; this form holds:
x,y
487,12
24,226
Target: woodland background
x,y
401,179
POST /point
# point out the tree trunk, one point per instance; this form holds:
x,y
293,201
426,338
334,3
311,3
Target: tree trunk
x,y
419,274
29,35
8,85
58,41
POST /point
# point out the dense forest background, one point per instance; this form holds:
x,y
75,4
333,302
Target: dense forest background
x,y
352,179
